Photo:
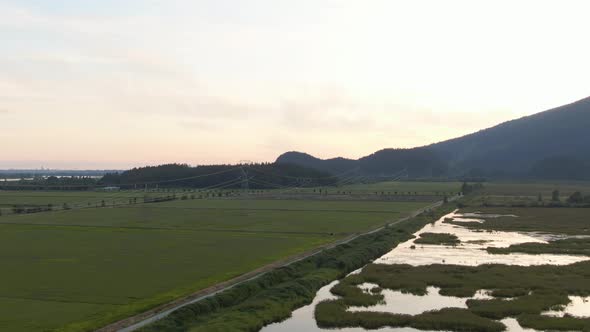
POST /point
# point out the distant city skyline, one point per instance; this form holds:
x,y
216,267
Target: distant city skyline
x,y
117,84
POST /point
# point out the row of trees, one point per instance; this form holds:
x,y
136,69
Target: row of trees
x,y
51,182
576,198
23,209
468,188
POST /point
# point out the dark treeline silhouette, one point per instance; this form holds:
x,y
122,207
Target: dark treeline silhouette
x,y
468,188
578,198
260,176
51,182
419,162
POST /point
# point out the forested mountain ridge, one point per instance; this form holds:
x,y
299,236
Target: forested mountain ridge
x,y
518,146
553,144
418,162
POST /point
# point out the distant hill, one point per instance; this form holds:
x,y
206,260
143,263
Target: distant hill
x,y
335,165
554,144
419,162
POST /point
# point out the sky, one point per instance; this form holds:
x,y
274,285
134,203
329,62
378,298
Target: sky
x,y
87,84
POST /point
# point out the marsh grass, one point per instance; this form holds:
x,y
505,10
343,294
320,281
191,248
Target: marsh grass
x,y
333,314
438,239
573,221
533,290
548,323
562,247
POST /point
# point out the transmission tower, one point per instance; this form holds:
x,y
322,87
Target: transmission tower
x,y
245,184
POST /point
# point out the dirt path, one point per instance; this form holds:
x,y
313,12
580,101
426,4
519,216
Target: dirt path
x,y
135,322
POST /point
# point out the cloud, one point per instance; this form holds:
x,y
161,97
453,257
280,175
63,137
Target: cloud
x,y
333,111
20,17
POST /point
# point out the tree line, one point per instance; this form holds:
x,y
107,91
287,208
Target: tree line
x,y
51,183
258,176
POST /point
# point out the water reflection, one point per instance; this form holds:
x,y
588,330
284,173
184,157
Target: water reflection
x,y
578,307
472,251
303,319
400,303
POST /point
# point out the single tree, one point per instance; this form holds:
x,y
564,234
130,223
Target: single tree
x,y
576,198
555,195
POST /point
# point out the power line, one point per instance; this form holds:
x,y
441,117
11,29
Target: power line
x,y
182,179
299,177
123,184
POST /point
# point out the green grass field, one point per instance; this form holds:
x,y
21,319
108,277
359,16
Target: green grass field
x,y
401,187
573,221
532,189
74,199
80,269
88,199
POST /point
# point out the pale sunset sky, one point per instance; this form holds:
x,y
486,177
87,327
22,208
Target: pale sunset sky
x,y
120,83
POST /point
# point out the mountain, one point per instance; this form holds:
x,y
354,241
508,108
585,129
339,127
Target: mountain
x,y
334,165
518,146
418,162
553,144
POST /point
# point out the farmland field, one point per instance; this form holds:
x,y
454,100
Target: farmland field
x,y
58,198
400,187
427,191
79,269
532,189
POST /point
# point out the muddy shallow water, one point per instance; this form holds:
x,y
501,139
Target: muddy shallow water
x,y
470,252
